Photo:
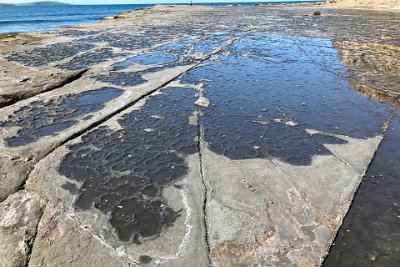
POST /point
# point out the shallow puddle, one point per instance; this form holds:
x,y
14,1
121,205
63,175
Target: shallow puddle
x,y
270,89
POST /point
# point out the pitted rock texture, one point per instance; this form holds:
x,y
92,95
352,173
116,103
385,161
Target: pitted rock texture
x,y
123,40
49,117
151,58
76,33
89,59
125,79
122,78
138,37
123,172
210,43
180,48
42,56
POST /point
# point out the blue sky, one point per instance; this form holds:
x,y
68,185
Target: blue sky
x,y
133,1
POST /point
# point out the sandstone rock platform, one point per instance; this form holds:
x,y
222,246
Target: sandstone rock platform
x,y
204,136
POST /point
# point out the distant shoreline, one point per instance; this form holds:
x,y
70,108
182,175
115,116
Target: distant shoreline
x,y
56,3
30,18
39,3
33,19
75,22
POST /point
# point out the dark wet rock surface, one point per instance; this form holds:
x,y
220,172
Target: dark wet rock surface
x,y
89,59
284,90
45,118
177,47
122,78
75,33
39,57
210,43
131,78
338,24
370,234
123,172
152,58
145,259
326,139
146,37
263,100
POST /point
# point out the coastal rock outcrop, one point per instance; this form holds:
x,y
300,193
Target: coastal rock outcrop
x,y
179,136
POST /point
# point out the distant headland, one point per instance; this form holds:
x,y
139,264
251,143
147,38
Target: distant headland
x,y
41,3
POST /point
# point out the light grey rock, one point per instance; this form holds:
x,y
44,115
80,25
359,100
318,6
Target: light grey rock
x,y
270,213
19,217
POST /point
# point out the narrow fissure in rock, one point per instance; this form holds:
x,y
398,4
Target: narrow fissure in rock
x,y
97,123
200,144
31,242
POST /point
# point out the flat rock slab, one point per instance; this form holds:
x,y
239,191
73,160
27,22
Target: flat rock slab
x,y
104,82
133,183
279,178
33,127
369,234
201,136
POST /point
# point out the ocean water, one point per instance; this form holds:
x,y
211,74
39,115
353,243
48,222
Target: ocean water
x,y
42,18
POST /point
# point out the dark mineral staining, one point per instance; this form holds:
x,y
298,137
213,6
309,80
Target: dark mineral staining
x,y
184,49
131,78
236,137
123,172
123,65
72,188
42,56
151,58
269,80
178,48
132,39
327,139
43,118
122,78
145,259
220,37
75,33
166,55
209,44
89,59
